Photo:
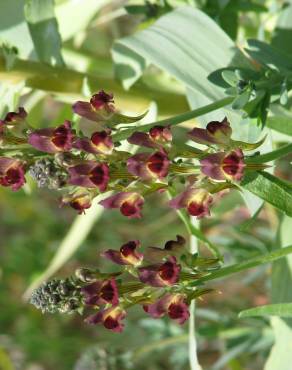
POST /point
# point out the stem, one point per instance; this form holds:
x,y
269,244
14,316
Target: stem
x,y
176,119
67,81
193,358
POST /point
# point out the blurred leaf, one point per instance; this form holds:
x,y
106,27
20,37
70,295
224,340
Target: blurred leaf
x,y
283,31
241,100
72,241
269,56
281,124
43,28
278,309
271,189
272,156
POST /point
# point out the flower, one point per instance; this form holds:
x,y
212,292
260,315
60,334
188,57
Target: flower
x,y
158,135
159,275
101,292
53,140
99,109
221,166
196,201
129,203
99,143
216,132
79,200
15,122
11,173
89,174
13,118
174,305
127,255
110,318
171,247
149,166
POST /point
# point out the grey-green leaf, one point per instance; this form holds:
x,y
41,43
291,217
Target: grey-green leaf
x,y
281,124
44,32
277,309
270,188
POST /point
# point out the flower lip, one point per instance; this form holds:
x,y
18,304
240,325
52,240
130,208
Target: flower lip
x,y
52,140
11,173
221,165
129,203
101,99
197,201
127,255
12,117
159,275
90,174
111,318
161,134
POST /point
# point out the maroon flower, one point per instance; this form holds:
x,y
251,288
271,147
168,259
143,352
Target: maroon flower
x,y
129,203
89,174
15,122
99,109
159,275
221,166
196,201
161,134
171,247
99,143
149,166
158,135
173,305
127,255
80,200
111,318
53,140
216,132
101,292
11,173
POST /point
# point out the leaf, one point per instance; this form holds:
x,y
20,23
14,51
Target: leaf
x,y
281,38
245,265
281,124
269,56
193,61
277,309
241,100
43,28
121,118
271,189
271,156
248,146
72,241
230,77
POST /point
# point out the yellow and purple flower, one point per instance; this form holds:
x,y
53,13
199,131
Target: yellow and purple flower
x,y
53,140
129,203
101,292
196,201
173,305
98,109
111,318
11,173
149,166
160,274
222,166
216,132
79,200
90,174
158,136
99,143
127,255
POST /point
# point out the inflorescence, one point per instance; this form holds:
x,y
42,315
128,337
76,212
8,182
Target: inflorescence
x,y
162,281
82,167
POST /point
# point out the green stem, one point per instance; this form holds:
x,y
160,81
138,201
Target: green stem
x,y
70,82
268,157
252,262
176,119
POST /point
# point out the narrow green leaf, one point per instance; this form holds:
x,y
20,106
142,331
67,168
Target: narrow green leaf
x,y
249,263
272,156
281,124
277,309
248,146
270,188
43,28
